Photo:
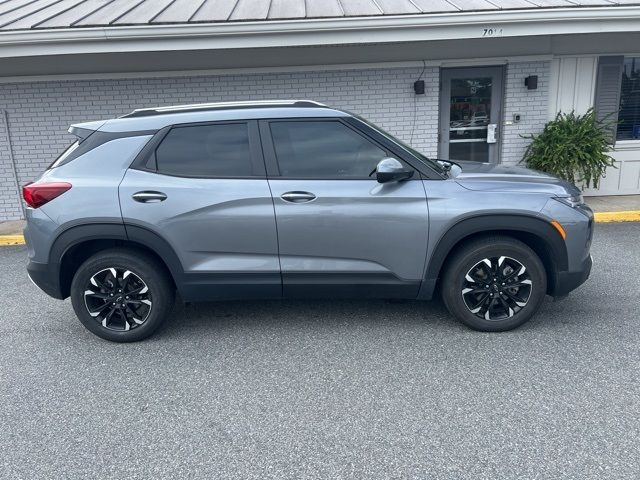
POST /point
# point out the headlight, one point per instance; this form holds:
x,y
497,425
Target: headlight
x,y
572,201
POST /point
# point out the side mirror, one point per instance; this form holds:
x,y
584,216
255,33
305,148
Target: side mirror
x,y
391,170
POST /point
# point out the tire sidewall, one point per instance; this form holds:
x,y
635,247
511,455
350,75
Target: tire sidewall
x,y
162,296
455,278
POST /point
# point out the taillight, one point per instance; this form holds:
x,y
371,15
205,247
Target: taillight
x,y
37,194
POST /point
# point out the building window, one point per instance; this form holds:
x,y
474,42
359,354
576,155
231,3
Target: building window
x,y
629,113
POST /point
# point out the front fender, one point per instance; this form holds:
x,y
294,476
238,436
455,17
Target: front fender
x,y
530,225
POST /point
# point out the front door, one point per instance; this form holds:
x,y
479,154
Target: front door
x,y
340,232
470,112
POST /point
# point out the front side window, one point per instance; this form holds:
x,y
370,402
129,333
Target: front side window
x,y
629,113
323,149
220,150
423,158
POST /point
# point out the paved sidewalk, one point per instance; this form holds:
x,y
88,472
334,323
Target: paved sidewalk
x,y
614,203
13,227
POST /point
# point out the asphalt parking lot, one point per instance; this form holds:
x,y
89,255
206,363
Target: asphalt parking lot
x,y
349,389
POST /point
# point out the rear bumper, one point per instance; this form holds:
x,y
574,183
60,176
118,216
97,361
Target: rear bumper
x,y
45,277
568,281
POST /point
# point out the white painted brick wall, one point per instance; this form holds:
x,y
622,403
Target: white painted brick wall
x,y
532,105
41,112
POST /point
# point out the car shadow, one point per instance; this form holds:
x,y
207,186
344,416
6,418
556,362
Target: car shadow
x,y
216,317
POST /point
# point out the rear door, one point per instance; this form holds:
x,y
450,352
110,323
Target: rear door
x,y
203,189
341,233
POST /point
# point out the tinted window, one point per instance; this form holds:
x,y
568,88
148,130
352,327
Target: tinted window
x,y
629,113
207,151
64,155
317,149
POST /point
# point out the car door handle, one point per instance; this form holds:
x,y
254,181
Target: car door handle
x,y
297,197
149,197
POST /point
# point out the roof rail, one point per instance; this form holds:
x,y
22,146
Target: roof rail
x,y
199,107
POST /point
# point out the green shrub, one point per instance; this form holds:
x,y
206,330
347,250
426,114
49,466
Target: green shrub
x,y
572,147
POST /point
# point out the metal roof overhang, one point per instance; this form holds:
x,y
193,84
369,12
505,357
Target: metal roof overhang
x,y
334,31
309,34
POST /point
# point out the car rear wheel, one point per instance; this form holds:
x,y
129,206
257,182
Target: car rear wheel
x,y
121,295
494,284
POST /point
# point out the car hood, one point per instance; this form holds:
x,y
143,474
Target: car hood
x,y
506,178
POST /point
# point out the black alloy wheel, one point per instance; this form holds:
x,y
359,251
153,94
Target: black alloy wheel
x,y
494,283
497,288
118,299
122,294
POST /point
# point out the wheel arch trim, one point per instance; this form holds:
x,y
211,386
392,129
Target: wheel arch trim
x,y
488,224
78,234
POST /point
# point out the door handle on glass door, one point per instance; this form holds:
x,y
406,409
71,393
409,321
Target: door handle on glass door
x,y
492,132
297,197
149,197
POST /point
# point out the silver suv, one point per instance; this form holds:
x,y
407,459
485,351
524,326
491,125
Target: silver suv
x,y
291,199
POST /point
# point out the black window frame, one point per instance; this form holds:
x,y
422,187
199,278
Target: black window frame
x,y
271,160
146,159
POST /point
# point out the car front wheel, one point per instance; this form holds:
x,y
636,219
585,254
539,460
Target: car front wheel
x,y
121,295
494,284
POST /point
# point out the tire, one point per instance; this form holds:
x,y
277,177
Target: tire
x,y
95,290
473,296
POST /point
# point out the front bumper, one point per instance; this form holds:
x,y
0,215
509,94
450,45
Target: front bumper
x,y
566,282
46,278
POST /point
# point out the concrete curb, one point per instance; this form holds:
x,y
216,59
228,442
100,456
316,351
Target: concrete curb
x,y
6,240
600,217
627,216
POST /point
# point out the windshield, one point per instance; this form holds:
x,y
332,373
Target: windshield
x,y
424,159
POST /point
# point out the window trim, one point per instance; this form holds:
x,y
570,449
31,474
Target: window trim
x,y
271,160
147,154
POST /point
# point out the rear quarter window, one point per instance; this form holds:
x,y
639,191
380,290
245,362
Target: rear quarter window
x,y
61,160
90,142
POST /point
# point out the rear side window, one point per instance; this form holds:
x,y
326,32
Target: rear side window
x,y
220,150
323,149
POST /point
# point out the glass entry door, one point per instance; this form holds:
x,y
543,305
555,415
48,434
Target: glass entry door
x,y
470,112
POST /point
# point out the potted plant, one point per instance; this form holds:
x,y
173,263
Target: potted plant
x,y
572,147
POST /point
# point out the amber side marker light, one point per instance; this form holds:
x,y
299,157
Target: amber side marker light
x,y
559,228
